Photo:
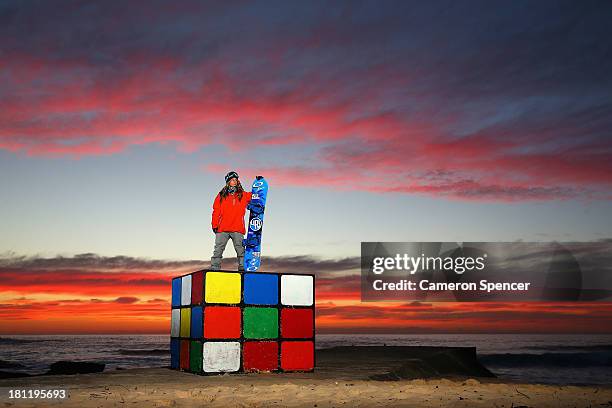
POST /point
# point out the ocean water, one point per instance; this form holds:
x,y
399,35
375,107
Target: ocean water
x,y
552,359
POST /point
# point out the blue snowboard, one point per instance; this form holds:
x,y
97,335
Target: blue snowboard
x,y
252,242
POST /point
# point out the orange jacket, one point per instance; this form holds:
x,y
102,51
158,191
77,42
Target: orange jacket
x,y
228,215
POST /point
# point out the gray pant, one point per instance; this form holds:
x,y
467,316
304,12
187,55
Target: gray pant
x,y
221,239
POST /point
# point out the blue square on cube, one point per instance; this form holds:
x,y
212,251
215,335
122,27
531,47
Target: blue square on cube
x,y
196,322
175,354
176,292
260,289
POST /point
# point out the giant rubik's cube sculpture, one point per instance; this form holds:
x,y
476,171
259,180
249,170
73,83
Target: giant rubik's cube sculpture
x,y
225,321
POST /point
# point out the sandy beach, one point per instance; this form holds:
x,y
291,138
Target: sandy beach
x,y
344,377
165,388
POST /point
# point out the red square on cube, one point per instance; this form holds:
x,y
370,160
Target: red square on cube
x,y
297,355
296,323
197,286
184,363
260,355
222,322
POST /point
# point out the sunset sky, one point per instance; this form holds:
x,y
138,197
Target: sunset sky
x,y
372,121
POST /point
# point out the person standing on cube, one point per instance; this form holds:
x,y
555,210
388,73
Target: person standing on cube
x,y
228,220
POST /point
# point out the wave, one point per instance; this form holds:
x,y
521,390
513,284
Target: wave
x,y
9,341
598,347
10,364
141,352
574,360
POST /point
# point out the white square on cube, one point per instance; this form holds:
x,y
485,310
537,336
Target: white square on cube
x,y
221,356
186,290
297,290
175,326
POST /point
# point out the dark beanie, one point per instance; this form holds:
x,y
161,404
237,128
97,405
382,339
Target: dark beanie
x,y
230,175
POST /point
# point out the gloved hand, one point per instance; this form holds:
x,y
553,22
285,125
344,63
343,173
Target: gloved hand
x,y
215,230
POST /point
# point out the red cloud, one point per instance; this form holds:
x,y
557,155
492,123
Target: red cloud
x,y
194,106
94,294
466,318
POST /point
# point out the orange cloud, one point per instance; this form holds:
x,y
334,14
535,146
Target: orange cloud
x,y
92,294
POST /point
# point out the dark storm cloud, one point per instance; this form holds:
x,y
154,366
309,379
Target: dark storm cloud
x,y
92,262
122,277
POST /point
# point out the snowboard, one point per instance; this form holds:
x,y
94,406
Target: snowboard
x,y
256,207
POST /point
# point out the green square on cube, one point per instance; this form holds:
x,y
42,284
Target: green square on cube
x,y
195,357
260,323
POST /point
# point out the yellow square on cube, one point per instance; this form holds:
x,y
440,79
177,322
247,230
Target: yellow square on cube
x,y
222,287
185,322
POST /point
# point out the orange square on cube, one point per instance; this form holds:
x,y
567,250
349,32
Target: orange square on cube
x,y
222,322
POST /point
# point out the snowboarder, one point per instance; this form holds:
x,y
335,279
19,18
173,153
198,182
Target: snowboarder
x,y
228,220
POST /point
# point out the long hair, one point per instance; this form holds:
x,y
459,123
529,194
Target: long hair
x,y
225,191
